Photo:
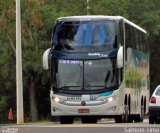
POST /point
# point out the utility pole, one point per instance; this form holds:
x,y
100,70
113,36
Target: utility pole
x,y
88,8
20,115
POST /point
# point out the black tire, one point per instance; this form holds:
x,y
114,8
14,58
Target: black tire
x,y
126,114
118,119
139,117
151,120
130,118
124,117
121,119
89,119
142,113
66,119
157,121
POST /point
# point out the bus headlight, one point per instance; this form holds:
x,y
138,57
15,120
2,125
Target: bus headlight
x,y
56,99
110,99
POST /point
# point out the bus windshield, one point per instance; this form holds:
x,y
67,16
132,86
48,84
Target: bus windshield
x,y
81,36
87,74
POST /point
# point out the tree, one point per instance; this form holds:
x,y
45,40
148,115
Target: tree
x,y
7,58
37,22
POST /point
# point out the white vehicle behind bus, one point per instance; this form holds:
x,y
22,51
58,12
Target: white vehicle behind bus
x,y
154,107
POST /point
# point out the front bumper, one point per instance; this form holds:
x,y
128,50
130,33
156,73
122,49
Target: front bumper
x,y
107,109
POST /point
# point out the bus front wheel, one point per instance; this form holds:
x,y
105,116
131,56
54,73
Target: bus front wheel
x,y
124,117
66,119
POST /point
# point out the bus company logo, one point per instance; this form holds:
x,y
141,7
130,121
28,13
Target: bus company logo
x,y
83,103
97,54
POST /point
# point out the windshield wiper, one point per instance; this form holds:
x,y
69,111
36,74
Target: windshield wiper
x,y
111,88
63,46
68,47
62,88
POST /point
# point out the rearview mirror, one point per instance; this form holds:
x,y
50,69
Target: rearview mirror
x,y
120,57
45,59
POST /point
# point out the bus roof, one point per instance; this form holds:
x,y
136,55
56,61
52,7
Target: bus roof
x,y
95,17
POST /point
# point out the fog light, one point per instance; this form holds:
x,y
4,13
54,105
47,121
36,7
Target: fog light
x,y
114,108
54,109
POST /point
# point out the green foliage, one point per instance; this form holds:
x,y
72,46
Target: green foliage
x,y
133,78
3,109
110,7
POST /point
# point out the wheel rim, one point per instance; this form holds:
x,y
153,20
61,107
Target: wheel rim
x,y
126,113
142,113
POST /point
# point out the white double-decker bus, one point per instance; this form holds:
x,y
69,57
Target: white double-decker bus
x,y
99,68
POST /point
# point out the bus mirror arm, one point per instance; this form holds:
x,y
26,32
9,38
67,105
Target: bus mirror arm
x,y
120,57
45,59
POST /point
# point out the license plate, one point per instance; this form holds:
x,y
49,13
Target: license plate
x,y
83,110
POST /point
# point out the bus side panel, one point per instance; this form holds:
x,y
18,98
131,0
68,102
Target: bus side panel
x,y
136,68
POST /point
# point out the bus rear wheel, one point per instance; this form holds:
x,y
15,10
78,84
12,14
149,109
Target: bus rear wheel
x,y
66,119
139,117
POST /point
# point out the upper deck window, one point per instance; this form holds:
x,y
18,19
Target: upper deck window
x,y
79,35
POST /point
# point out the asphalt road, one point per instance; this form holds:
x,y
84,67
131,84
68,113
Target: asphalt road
x,y
103,126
